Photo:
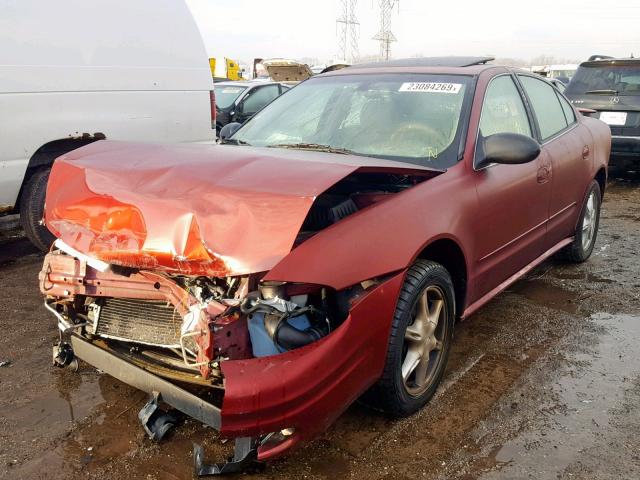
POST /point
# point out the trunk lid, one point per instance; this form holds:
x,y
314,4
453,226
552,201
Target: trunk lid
x,y
288,71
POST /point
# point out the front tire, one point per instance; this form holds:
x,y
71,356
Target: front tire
x,y
587,228
419,343
32,210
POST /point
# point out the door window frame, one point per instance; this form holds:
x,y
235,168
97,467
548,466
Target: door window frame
x,y
533,126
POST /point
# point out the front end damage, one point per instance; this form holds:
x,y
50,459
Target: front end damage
x,y
162,277
272,362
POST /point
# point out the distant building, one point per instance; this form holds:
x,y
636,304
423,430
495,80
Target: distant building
x,y
566,70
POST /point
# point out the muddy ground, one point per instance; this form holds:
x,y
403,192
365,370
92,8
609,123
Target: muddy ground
x,y
543,383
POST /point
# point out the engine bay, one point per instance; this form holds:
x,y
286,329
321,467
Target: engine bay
x,y
202,322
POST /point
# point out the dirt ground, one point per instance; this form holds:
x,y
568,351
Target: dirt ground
x,y
544,382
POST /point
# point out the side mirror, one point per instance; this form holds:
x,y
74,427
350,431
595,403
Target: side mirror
x,y
507,148
229,129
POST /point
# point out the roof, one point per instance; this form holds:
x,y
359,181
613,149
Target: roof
x,y
610,61
428,62
243,83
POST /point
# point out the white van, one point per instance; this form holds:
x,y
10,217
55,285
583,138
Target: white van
x,y
76,71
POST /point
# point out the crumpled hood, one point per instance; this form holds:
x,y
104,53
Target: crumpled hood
x,y
191,209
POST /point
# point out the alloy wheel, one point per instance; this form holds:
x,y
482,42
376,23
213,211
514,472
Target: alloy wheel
x,y
423,340
589,221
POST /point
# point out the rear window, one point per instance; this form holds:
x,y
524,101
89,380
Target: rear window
x,y
605,80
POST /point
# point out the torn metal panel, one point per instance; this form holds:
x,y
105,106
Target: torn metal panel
x,y
64,276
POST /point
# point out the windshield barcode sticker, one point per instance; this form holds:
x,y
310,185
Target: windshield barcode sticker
x,y
430,87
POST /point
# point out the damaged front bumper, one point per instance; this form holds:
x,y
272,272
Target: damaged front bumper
x,y
245,454
267,404
126,372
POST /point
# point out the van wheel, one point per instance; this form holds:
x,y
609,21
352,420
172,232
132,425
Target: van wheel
x,y
419,343
587,229
32,210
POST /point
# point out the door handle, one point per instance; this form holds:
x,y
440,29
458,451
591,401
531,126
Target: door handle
x,y
585,152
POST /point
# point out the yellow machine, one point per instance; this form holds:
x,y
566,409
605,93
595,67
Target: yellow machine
x,y
232,69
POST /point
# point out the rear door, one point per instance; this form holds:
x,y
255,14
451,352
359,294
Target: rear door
x,y
513,213
569,147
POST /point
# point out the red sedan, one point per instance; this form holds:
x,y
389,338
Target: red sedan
x,y
324,252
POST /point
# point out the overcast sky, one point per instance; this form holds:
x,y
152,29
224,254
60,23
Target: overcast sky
x,y
570,29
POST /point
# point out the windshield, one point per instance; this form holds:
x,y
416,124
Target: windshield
x,y
227,94
413,118
605,80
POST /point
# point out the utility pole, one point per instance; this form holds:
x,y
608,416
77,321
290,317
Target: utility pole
x,y
385,36
348,31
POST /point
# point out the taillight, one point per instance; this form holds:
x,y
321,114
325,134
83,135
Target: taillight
x,y
212,99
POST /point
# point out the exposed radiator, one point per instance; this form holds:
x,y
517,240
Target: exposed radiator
x,y
150,322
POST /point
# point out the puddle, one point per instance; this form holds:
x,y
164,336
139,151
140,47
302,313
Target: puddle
x,y
581,413
74,398
542,293
580,275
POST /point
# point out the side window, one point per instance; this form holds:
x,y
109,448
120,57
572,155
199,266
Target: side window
x,y
569,113
503,110
259,98
546,106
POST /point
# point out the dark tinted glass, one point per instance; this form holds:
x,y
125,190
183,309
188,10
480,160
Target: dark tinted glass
x,y
605,80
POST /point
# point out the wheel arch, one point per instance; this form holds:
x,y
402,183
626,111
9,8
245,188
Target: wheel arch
x,y
601,178
448,253
48,152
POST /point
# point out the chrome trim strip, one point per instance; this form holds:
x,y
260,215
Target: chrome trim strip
x,y
559,212
625,137
514,240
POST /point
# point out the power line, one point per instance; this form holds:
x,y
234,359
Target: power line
x,y
385,36
348,33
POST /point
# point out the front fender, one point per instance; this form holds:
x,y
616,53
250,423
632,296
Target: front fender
x,y
308,388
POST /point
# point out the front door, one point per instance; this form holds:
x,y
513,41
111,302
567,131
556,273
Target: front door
x,y
513,199
255,101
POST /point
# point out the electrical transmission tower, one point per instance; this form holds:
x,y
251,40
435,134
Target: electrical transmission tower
x,y
348,31
385,36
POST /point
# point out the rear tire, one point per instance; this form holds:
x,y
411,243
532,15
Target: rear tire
x,y
587,228
32,210
419,341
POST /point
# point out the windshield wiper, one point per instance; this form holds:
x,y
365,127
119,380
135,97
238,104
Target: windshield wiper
x,y
233,141
604,91
317,147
